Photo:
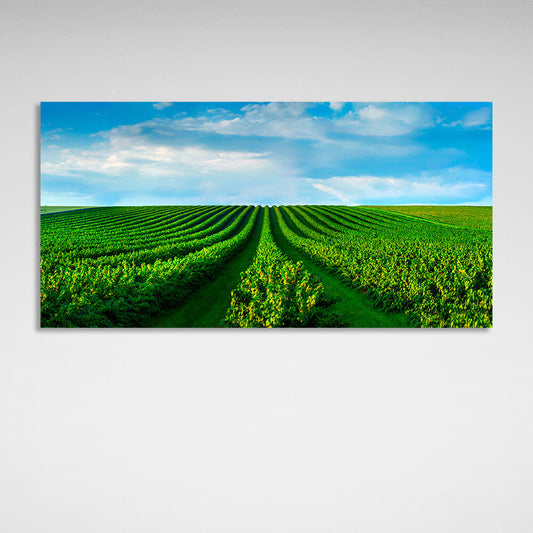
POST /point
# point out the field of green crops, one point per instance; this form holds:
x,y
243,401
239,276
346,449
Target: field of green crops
x,y
281,266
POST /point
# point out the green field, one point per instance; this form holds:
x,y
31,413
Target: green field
x,y
465,216
281,266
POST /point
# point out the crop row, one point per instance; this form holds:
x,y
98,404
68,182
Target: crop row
x,y
161,247
180,245
126,233
78,294
439,277
276,292
110,219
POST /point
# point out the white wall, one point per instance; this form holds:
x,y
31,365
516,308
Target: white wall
x,y
224,431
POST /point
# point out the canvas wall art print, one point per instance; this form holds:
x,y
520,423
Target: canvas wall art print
x,y
266,215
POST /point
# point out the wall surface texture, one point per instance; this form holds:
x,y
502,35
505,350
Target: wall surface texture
x,y
271,431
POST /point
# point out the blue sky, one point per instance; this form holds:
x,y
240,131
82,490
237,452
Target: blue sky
x,y
266,153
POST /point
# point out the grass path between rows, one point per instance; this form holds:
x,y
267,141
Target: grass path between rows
x,y
207,306
352,305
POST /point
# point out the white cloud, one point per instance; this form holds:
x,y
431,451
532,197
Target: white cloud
x,y
480,117
217,111
452,184
336,106
161,105
292,121
329,190
371,113
276,119
52,135
386,119
149,149
154,160
206,160
453,124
